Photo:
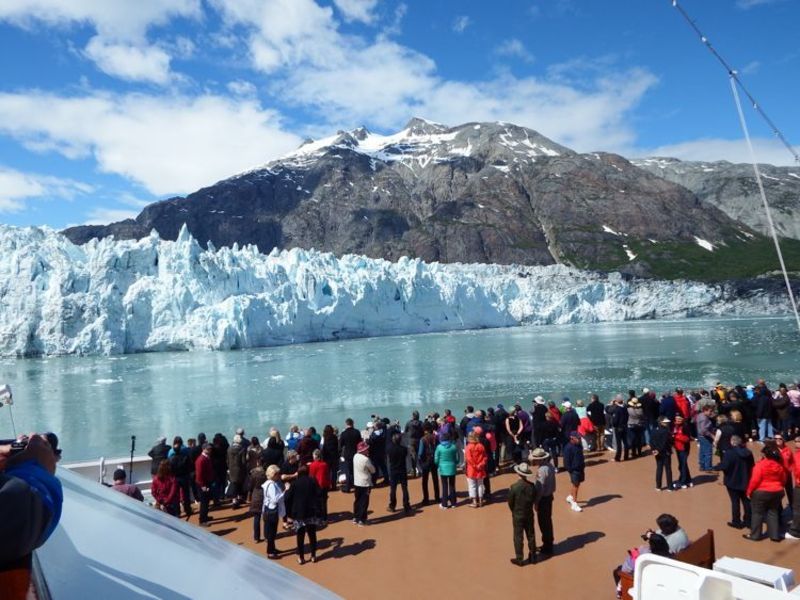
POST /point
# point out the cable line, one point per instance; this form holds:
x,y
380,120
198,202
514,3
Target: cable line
x,y
737,84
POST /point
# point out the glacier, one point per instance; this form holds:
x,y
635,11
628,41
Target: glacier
x,y
113,297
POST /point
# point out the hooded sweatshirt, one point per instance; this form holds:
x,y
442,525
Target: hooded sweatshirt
x,y
446,458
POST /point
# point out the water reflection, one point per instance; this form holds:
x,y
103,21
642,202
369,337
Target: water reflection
x,y
97,403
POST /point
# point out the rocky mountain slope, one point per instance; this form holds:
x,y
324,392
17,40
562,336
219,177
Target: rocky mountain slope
x,y
733,189
476,193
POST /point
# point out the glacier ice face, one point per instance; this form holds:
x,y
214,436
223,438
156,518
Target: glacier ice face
x,y
111,297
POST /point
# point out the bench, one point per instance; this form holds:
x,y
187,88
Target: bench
x,y
700,553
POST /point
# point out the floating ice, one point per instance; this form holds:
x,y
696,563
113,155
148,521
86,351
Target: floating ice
x,y
114,297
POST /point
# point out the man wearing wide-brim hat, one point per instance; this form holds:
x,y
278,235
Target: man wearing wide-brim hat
x,y
522,496
546,485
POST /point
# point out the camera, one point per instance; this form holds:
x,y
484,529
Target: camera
x,y
646,535
18,446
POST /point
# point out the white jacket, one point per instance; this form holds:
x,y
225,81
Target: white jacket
x,y
362,471
273,498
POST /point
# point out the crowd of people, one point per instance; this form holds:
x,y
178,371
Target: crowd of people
x,y
285,482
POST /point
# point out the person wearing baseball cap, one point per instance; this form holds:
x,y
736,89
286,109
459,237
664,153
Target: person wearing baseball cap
x,y
575,465
522,496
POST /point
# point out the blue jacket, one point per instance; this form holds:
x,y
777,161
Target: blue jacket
x,y
573,458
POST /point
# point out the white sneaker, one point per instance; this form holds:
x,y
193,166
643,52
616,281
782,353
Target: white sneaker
x,y
789,536
576,508
570,499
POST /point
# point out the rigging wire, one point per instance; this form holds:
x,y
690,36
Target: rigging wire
x,y
737,84
764,198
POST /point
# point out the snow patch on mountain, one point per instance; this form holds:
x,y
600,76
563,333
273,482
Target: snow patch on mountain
x,y
113,297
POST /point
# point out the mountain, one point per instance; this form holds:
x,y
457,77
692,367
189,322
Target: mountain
x,y
476,193
112,297
733,189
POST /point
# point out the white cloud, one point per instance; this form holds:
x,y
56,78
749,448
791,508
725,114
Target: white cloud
x,y
751,68
240,87
460,23
748,4
167,144
104,215
349,80
120,47
17,187
767,150
116,19
133,63
357,10
515,49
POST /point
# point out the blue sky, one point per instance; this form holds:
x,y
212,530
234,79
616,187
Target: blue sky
x,y
107,105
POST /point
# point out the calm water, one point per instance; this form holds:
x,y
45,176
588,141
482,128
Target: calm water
x,y
96,404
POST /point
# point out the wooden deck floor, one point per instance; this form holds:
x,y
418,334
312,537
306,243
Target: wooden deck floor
x,y
468,550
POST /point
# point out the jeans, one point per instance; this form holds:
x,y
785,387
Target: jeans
x,y
402,481
448,490
765,429
794,528
185,485
705,454
432,473
636,439
663,463
622,443
361,504
475,488
684,476
271,530
738,501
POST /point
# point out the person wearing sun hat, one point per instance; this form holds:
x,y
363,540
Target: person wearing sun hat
x,y
546,485
363,470
522,496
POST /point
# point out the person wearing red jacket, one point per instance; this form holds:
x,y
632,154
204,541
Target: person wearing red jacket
x,y
794,529
682,402
683,443
788,464
476,460
319,471
765,491
204,477
165,490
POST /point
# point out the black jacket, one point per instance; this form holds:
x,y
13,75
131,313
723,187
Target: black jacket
x,y
661,440
414,429
303,499
597,413
619,417
737,465
157,453
330,449
570,421
348,442
397,454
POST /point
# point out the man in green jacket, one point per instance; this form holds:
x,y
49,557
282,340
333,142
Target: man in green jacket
x,y
521,499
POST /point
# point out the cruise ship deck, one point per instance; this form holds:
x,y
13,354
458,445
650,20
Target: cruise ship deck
x,y
467,550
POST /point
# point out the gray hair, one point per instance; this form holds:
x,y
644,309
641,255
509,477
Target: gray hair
x,y
237,439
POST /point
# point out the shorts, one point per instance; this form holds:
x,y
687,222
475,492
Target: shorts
x,y
576,477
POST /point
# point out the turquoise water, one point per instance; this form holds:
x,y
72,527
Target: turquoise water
x,y
96,403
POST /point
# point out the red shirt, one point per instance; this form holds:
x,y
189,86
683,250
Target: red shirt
x,y
683,406
318,470
768,476
796,465
165,491
475,458
203,471
788,459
